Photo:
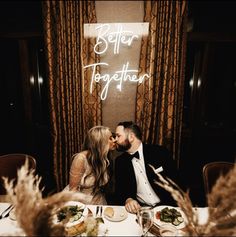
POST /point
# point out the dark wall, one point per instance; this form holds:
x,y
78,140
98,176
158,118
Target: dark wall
x,y
20,17
24,120
209,122
213,16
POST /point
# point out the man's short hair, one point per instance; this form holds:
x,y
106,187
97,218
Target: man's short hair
x,y
129,125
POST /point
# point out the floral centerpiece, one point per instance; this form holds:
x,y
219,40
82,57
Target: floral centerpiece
x,y
36,215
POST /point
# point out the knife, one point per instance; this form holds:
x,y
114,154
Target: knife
x,y
6,212
97,210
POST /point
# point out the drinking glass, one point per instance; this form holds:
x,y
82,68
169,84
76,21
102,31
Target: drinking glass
x,y
145,219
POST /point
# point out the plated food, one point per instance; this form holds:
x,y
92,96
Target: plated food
x,y
89,226
115,213
76,229
71,214
171,215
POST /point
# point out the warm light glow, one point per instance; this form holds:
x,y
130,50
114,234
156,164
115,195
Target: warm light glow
x,y
32,80
118,87
199,82
40,80
191,82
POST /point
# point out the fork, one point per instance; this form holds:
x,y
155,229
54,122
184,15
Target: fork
x,y
99,211
6,212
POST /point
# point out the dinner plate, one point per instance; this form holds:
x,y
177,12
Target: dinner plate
x,y
73,222
120,214
159,222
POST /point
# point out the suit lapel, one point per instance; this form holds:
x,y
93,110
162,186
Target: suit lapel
x,y
148,159
130,168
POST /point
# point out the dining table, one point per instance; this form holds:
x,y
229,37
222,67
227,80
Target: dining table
x,y
126,227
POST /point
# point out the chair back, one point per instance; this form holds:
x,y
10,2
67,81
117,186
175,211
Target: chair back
x,y
10,163
212,171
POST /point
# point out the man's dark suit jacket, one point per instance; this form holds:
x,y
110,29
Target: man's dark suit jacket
x,y
125,181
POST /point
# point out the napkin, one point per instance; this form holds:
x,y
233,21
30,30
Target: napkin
x,y
156,171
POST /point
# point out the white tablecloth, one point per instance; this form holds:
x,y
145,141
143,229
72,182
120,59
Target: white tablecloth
x,y
127,227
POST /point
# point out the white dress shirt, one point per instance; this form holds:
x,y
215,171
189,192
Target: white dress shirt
x,y
145,193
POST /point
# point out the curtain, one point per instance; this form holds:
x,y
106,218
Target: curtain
x,y
159,101
73,109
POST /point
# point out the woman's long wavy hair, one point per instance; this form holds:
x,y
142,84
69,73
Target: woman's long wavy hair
x,y
97,144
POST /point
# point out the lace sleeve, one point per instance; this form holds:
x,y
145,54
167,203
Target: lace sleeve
x,y
77,171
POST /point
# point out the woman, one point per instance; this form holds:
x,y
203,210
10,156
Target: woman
x,y
89,168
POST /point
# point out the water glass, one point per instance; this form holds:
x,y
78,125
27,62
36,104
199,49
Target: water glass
x,y
145,218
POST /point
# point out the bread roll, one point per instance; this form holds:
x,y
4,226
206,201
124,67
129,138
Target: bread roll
x,y
109,211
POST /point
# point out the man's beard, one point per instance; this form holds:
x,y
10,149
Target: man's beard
x,y
125,146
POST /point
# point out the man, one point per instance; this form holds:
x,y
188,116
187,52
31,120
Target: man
x,y
134,178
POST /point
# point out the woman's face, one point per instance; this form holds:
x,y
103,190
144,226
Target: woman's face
x,y
111,141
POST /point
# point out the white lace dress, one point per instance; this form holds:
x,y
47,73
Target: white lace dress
x,y
82,180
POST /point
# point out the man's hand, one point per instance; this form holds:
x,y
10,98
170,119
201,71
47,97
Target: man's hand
x,y
132,205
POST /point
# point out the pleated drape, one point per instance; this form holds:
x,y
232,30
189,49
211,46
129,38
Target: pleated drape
x,y
159,102
73,110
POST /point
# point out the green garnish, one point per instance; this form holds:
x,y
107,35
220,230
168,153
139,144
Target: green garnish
x,y
171,215
66,213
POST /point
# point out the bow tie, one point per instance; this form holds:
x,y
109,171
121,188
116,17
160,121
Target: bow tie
x,y
136,155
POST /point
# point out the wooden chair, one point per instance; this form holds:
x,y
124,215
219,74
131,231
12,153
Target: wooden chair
x,y
10,163
212,171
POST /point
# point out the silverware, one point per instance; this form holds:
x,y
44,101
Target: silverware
x,y
99,210
6,212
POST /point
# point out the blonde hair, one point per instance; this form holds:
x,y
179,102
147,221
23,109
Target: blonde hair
x,y
97,144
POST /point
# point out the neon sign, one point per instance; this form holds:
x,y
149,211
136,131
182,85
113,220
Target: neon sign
x,y
108,36
118,37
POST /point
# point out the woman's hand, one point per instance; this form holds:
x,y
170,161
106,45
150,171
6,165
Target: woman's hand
x,y
132,205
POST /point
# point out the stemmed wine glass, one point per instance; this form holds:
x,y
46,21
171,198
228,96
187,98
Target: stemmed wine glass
x,y
145,219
